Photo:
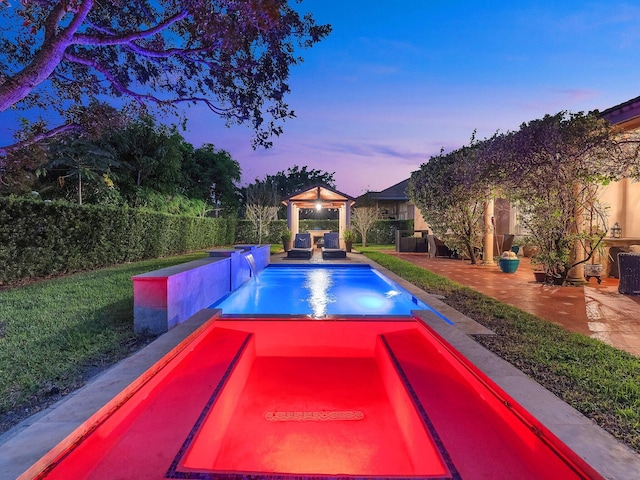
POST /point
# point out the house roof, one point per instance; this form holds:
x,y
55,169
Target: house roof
x,y
397,192
626,114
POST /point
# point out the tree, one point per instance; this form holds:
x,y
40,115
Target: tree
x,y
451,196
80,159
363,219
150,155
232,56
296,179
553,167
261,206
211,175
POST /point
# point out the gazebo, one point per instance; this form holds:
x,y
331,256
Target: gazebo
x,y
318,197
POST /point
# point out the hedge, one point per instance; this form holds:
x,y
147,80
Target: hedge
x,y
382,233
40,239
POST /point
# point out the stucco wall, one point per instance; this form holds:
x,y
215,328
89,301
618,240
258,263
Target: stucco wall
x,y
623,200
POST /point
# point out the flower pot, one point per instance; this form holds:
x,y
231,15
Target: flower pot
x,y
287,245
515,249
541,277
508,265
348,245
592,270
530,251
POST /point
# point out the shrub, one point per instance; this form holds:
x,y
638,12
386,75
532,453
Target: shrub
x,y
40,239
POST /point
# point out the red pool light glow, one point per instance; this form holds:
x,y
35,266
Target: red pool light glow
x,y
275,398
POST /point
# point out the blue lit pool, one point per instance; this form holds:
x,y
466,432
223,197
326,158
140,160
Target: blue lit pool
x,y
319,291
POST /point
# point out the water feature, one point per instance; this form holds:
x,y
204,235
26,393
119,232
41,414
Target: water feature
x,y
252,263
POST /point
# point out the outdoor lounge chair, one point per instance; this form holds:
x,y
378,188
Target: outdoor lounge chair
x,y
331,247
437,248
302,247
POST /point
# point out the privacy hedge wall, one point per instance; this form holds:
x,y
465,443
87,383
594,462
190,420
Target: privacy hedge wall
x,y
382,233
41,239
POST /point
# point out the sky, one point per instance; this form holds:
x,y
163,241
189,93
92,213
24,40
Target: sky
x,y
396,82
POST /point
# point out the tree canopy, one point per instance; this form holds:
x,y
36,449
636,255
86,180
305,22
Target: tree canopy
x,y
141,164
551,168
450,195
232,56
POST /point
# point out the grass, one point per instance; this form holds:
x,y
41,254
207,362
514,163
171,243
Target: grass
x,y
55,334
600,381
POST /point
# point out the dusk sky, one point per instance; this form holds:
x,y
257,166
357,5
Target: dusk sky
x,y
397,81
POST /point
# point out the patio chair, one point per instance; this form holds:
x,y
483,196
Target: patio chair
x,y
629,270
331,248
437,248
503,243
302,247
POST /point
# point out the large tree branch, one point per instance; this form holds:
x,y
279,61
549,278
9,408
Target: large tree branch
x,y
110,38
69,127
45,61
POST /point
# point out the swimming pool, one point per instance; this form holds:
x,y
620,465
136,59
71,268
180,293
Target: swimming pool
x,y
320,291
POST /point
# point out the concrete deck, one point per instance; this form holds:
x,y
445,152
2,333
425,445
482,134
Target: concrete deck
x,y
29,441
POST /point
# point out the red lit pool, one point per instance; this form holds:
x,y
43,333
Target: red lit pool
x,y
276,398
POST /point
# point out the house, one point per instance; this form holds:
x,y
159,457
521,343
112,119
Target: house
x,y
623,197
394,204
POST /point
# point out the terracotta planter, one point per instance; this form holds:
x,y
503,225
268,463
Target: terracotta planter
x,y
530,251
541,277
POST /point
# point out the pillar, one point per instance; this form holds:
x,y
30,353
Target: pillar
x,y
342,222
575,276
487,247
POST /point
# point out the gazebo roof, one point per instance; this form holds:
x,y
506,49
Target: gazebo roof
x,y
309,197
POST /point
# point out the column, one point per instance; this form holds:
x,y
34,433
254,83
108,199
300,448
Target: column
x,y
487,247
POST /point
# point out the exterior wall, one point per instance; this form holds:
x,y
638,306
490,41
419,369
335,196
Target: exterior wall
x,y
419,223
623,200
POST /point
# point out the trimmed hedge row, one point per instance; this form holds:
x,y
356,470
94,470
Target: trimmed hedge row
x,y
382,233
39,239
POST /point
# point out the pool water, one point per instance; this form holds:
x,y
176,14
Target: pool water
x,y
320,291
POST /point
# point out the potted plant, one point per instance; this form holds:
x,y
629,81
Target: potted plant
x,y
287,237
529,248
349,236
538,270
508,262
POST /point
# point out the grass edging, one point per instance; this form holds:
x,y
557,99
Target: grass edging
x,y
600,381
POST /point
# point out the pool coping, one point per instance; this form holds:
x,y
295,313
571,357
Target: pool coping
x,y
27,442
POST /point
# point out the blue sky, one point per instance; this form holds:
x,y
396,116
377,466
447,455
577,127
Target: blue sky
x,y
397,81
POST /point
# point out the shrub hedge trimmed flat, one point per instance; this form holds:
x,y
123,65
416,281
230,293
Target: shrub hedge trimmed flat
x,y
40,239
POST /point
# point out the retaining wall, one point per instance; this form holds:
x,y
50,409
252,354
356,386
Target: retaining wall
x,y
167,297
